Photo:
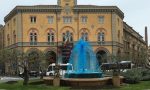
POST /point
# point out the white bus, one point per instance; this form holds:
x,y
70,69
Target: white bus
x,y
63,69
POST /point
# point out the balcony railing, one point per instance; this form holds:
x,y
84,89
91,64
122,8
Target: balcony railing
x,y
54,44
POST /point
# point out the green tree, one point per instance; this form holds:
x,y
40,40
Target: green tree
x,y
8,57
19,61
27,59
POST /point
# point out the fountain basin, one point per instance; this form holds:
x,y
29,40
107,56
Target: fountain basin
x,y
82,82
86,82
84,75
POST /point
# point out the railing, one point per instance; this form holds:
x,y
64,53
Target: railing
x,y
37,44
54,44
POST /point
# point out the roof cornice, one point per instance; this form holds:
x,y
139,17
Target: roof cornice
x,y
28,9
130,30
94,8
56,8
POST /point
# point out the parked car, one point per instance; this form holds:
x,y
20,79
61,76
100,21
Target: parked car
x,y
42,73
31,73
129,63
34,73
21,74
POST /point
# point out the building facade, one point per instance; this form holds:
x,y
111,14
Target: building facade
x,y
134,45
149,52
1,47
1,36
43,28
148,60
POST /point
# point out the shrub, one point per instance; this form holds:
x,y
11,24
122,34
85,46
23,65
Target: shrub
x,y
133,76
146,74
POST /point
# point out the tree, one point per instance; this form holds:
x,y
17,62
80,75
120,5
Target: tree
x,y
23,65
19,61
8,57
27,59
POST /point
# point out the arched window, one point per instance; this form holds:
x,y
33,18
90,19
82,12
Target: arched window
x,y
68,36
50,37
101,36
33,38
84,36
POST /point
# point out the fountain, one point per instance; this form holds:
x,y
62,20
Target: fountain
x,y
85,70
85,64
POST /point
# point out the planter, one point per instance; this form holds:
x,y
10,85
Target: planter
x,y
56,82
116,81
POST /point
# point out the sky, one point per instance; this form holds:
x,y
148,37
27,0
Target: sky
x,y
137,13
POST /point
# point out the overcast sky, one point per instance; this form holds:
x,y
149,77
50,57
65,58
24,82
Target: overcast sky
x,y
137,12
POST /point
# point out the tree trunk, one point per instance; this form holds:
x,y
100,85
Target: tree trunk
x,y
26,76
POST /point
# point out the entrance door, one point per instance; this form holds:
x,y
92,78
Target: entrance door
x,y
101,57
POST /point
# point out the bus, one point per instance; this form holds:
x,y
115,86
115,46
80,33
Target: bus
x,y
62,71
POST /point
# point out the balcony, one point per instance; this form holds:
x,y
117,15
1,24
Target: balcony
x,y
54,44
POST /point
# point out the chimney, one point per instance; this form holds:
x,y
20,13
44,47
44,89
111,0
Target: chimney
x,y
146,36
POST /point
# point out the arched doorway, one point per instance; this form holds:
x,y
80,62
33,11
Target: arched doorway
x,y
101,56
50,57
34,62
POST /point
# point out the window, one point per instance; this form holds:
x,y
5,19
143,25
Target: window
x,y
8,26
67,19
14,36
84,36
50,37
8,39
67,4
84,19
119,35
50,19
68,36
101,19
33,19
33,38
101,37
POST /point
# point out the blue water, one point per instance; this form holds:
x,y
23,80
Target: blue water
x,y
84,61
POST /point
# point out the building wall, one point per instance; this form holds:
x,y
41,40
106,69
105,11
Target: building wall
x,y
1,36
21,25
148,60
149,53
120,39
134,45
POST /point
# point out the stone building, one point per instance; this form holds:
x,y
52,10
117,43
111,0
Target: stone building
x,y
43,28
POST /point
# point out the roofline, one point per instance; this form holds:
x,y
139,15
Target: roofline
x,y
124,23
37,8
132,29
56,8
95,8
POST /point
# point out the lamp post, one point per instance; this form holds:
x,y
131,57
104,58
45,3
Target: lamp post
x,y
56,80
